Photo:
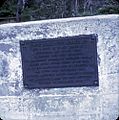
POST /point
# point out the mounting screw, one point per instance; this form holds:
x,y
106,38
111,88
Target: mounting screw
x,y
26,86
96,82
22,43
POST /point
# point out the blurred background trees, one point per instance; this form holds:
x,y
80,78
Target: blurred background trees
x,y
26,10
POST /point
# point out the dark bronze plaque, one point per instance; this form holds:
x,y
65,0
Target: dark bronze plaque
x,y
60,62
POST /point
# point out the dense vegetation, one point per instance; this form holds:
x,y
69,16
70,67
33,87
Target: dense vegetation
x,y
25,10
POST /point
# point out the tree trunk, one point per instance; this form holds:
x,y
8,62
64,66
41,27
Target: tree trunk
x,y
74,8
20,7
88,6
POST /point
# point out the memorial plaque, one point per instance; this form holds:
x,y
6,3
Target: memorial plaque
x,y
60,62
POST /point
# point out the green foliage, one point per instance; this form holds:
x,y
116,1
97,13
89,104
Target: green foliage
x,y
8,9
112,7
26,15
47,9
109,10
50,9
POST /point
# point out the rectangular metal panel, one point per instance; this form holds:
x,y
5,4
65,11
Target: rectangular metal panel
x,y
60,62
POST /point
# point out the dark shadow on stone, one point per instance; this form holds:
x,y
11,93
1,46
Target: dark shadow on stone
x,y
1,119
117,118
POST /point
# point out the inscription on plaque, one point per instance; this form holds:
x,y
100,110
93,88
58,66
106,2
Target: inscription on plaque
x,y
60,62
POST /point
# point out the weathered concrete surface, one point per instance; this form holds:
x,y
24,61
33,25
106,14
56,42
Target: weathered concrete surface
x,y
83,103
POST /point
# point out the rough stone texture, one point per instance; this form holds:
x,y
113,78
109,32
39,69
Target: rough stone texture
x,y
81,103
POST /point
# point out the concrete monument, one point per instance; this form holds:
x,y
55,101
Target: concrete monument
x,y
72,103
